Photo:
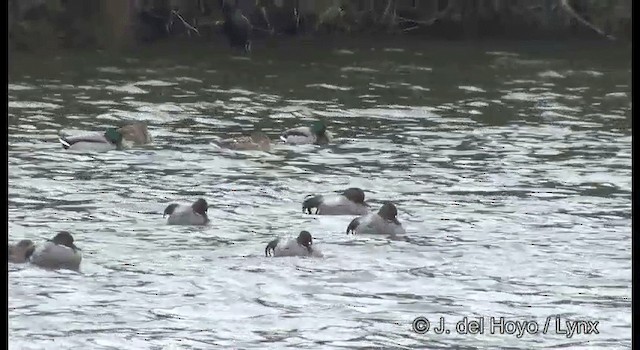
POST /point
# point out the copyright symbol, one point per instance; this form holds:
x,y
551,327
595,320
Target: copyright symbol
x,y
420,325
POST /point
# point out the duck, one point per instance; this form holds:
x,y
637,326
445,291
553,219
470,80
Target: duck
x,y
236,26
136,133
58,253
384,222
181,214
21,252
316,134
111,139
349,202
258,141
301,246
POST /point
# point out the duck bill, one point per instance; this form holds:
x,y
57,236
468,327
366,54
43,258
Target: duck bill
x,y
395,221
75,247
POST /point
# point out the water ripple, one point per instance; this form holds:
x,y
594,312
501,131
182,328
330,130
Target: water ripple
x,y
514,185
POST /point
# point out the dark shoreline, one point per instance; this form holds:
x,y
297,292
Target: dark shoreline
x,y
218,44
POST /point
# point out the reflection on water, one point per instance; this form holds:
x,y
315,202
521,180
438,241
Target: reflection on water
x,y
511,171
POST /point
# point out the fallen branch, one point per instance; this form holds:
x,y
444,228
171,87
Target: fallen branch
x,y
385,14
263,12
411,28
450,8
186,24
565,6
416,21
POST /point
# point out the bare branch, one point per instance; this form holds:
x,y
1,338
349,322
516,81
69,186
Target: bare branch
x,y
186,24
450,8
565,6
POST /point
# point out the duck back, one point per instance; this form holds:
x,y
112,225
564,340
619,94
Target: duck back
x,y
298,136
291,248
89,143
372,223
54,256
184,215
340,205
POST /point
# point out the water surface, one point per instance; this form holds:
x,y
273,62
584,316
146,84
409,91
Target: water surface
x,y
510,167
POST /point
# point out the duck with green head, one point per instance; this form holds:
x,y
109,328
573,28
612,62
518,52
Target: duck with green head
x,y
109,140
314,134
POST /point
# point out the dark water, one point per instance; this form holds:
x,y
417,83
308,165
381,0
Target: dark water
x,y
510,167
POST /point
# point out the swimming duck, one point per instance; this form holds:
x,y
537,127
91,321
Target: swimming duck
x,y
349,202
301,246
257,141
58,253
136,133
315,134
110,140
383,222
194,214
21,251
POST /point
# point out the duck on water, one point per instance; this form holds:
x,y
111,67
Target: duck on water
x,y
384,222
21,251
182,214
316,134
111,139
60,252
300,246
348,202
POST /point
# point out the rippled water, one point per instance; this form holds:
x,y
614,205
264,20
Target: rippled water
x,y
511,170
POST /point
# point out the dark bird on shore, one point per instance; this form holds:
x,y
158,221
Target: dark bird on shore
x,y
236,26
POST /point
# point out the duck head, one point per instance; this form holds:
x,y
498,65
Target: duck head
x,y
64,238
389,212
319,128
21,251
113,135
169,209
305,239
200,206
355,195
